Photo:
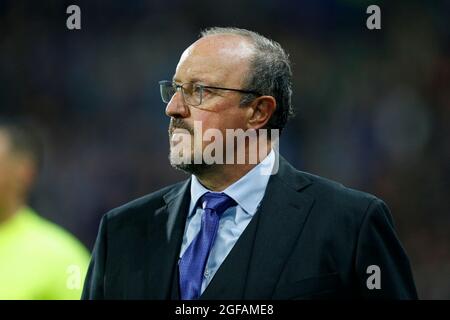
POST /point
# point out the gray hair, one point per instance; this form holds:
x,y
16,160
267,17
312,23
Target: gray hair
x,y
270,73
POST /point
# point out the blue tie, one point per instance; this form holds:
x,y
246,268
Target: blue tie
x,y
193,262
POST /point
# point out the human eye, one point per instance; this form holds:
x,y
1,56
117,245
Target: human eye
x,y
197,88
207,91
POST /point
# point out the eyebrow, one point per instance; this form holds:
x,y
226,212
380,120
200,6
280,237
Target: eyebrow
x,y
197,79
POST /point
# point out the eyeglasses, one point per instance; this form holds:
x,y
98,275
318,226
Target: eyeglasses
x,y
192,92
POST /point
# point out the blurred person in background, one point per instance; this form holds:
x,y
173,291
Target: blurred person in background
x,y
38,259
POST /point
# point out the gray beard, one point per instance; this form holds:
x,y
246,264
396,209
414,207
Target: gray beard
x,y
192,168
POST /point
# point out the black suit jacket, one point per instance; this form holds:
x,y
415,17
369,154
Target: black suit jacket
x,y
311,238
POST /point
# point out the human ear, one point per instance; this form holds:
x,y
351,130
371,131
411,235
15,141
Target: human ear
x,y
262,109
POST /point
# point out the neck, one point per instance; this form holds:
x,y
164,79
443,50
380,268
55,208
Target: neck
x,y
222,176
9,210
219,177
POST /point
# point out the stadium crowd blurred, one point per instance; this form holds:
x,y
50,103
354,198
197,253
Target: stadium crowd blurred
x,y
373,107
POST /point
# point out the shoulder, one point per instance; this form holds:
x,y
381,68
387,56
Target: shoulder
x,y
52,241
323,190
342,205
333,201
336,192
135,209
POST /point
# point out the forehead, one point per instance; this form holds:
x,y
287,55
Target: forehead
x,y
215,60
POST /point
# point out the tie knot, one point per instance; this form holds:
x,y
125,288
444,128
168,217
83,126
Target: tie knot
x,y
219,202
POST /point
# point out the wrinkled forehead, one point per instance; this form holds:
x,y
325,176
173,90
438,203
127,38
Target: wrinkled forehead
x,y
216,60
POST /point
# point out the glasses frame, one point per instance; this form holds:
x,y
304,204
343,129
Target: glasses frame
x,y
202,87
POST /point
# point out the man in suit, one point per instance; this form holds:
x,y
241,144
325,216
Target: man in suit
x,y
230,231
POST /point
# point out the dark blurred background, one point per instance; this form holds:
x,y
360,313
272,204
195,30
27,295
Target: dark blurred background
x,y
373,107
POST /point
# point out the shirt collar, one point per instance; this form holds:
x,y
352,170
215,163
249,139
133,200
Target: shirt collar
x,y
248,191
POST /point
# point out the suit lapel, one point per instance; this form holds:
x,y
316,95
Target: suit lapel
x,y
165,235
283,213
252,268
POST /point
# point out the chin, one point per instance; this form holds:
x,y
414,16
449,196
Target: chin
x,y
190,167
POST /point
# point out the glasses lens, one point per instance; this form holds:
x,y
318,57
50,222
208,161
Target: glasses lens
x,y
192,94
167,90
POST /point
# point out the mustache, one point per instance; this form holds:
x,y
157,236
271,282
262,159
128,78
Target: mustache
x,y
176,123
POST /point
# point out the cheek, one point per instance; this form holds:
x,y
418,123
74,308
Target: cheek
x,y
224,116
232,118
220,123
236,119
208,120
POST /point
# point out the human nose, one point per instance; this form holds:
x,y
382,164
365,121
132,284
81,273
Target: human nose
x,y
176,107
